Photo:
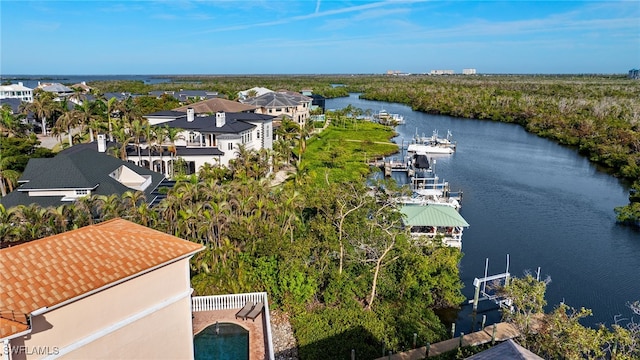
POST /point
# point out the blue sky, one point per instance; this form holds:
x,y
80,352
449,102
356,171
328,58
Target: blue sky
x,y
317,37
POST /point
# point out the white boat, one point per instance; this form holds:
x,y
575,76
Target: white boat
x,y
386,118
433,144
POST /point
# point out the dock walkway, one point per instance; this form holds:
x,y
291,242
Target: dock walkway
x,y
503,331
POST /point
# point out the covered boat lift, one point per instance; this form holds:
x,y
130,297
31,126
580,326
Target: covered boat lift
x,y
433,220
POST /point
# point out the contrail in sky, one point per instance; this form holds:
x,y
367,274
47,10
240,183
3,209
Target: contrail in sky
x,y
318,6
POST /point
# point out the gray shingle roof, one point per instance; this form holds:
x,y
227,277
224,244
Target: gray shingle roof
x,y
273,100
13,103
168,113
81,169
208,124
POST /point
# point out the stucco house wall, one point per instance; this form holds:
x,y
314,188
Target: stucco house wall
x,y
148,316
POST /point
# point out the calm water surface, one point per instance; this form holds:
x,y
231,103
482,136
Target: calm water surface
x,y
537,201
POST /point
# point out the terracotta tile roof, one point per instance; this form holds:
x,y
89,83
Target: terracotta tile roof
x,y
11,323
49,271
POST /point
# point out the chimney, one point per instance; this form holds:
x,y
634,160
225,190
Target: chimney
x,y
220,119
20,83
102,143
190,114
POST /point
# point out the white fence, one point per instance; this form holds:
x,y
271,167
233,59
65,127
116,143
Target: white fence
x,y
236,301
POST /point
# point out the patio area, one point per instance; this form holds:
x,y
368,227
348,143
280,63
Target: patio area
x,y
207,310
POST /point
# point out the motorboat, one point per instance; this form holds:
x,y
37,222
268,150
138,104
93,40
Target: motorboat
x,y
433,144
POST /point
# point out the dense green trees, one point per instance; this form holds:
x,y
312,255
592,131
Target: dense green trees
x,y
333,256
598,115
559,334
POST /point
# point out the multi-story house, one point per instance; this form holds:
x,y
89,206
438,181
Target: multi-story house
x,y
114,290
289,104
16,91
210,135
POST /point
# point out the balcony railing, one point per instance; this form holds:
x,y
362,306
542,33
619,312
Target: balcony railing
x,y
236,301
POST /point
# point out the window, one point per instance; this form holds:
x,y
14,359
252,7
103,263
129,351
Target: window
x,y
258,134
230,146
82,192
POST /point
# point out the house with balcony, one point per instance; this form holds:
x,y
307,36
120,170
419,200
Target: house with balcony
x,y
279,104
206,136
113,290
16,91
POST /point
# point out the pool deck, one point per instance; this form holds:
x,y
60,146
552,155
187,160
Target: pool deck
x,y
202,319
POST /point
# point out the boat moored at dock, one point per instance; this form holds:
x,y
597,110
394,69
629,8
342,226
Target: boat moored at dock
x,y
386,118
432,144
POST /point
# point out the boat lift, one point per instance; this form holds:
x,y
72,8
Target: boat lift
x,y
480,285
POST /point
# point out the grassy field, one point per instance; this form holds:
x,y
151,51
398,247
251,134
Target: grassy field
x,y
342,152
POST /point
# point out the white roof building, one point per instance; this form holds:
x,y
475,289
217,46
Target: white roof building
x,y
16,91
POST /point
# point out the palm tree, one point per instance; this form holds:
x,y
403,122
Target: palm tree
x,y
8,178
123,138
10,124
110,107
42,106
78,95
86,209
137,131
172,134
152,135
87,116
67,121
109,207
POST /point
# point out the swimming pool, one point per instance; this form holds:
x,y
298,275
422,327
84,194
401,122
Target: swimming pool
x,y
222,341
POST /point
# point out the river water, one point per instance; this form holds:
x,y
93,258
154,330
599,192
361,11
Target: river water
x,y
541,204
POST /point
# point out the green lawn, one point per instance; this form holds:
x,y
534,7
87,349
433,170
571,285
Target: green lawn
x,y
345,148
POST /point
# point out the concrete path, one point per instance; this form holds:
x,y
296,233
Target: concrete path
x,y
503,331
48,142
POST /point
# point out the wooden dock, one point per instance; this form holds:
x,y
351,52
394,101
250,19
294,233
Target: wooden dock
x,y
496,332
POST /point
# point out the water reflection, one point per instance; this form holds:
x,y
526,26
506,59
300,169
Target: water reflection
x,y
541,203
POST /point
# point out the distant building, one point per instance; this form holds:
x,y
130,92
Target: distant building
x,y
186,95
442,72
292,105
16,91
634,74
56,88
253,92
83,87
397,73
468,71
318,101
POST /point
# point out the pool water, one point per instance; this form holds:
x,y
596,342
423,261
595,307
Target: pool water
x,y
222,341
